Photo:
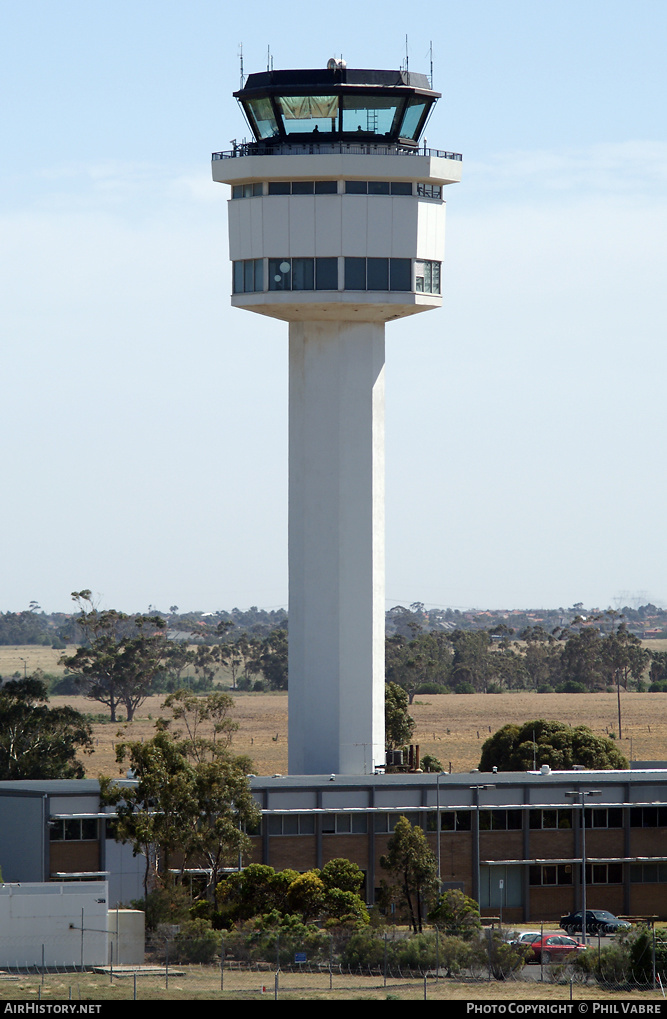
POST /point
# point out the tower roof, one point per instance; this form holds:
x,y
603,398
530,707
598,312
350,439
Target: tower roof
x,y
337,102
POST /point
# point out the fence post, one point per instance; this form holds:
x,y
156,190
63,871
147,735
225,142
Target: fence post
x,y
222,964
166,963
331,962
385,959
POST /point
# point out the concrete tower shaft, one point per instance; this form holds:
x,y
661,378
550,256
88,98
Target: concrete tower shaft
x,y
336,225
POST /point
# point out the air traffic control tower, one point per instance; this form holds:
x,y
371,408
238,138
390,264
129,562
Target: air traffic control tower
x,y
337,226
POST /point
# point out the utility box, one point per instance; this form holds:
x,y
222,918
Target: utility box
x,y
127,935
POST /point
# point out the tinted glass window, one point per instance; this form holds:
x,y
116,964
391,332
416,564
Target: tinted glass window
x,y
303,274
401,273
326,274
378,187
355,273
377,274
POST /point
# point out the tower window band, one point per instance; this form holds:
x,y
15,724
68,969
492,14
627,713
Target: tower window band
x,y
378,274
303,274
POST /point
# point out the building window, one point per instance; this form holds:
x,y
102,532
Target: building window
x,y
454,820
550,874
427,277
378,187
73,829
377,274
344,824
248,276
303,187
604,817
246,190
385,823
429,190
551,819
500,820
604,873
303,274
648,817
291,824
648,873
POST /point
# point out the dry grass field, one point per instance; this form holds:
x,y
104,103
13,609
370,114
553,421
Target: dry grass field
x,y
202,983
452,727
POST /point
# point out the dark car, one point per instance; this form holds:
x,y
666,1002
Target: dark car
x,y
598,921
553,948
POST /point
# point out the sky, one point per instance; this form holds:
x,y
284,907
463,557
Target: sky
x,y
145,421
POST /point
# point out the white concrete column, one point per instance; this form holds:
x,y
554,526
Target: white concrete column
x,y
336,548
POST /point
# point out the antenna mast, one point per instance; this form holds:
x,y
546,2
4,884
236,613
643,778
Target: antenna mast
x,y
241,62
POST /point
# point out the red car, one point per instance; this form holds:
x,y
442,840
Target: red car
x,y
553,948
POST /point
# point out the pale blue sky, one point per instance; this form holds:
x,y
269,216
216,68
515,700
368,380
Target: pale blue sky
x,y
144,420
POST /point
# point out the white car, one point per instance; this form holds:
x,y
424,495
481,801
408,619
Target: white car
x,y
525,938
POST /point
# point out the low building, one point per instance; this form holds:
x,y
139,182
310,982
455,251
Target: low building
x,y
513,839
510,839
56,830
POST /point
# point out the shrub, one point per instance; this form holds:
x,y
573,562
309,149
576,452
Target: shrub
x,y
456,914
197,942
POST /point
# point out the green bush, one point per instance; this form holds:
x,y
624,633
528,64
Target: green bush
x,y
197,942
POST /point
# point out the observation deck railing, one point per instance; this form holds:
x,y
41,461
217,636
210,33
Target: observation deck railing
x,y
329,148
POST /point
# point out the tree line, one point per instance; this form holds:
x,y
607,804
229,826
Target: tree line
x,y
577,659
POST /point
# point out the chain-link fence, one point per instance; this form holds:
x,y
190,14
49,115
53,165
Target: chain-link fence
x,y
198,960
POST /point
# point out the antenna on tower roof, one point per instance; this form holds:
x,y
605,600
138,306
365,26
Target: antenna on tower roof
x,y
241,62
407,58
269,59
430,53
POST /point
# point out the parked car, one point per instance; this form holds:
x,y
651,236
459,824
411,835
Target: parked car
x,y
524,938
553,948
598,921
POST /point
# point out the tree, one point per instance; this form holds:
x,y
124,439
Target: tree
x,y
625,658
330,894
456,914
514,748
120,656
399,725
192,804
426,658
37,742
472,666
409,859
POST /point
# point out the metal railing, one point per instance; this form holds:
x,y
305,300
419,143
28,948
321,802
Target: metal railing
x,y
332,148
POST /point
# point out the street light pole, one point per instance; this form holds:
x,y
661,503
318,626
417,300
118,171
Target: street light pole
x,y
477,890
581,793
437,826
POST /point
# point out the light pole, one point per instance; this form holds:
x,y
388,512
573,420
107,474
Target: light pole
x,y
437,826
581,793
476,890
